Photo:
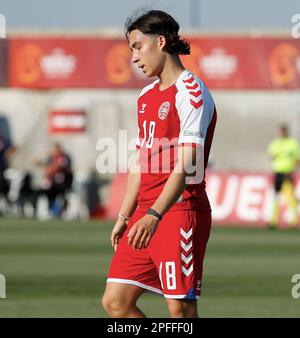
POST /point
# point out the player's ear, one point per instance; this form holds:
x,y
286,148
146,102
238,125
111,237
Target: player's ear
x,y
161,40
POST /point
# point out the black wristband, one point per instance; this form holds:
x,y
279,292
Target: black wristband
x,y
154,213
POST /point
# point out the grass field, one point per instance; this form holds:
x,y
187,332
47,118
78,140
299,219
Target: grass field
x,y
58,269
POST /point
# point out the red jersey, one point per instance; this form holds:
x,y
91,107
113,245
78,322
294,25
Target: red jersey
x,y
182,113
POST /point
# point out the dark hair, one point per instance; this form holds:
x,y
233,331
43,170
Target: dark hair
x,y
284,127
161,23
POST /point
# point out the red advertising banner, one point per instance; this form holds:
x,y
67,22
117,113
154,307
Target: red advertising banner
x,y
3,67
72,63
222,62
246,63
237,199
244,198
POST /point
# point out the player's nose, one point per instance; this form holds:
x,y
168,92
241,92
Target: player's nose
x,y
135,57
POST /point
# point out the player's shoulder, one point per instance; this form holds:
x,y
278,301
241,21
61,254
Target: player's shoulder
x,y
189,82
148,88
191,90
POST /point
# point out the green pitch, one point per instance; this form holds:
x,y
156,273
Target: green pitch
x,y
58,269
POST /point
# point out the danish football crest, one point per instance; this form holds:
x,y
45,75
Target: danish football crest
x,y
164,110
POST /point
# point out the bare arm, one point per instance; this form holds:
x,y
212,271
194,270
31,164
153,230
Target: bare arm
x,y
142,231
129,203
133,183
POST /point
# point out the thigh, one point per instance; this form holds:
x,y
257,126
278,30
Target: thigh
x,y
124,294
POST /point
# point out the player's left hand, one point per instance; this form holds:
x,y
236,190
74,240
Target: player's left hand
x,y
140,234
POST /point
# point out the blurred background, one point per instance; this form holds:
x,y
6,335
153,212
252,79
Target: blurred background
x,y
66,82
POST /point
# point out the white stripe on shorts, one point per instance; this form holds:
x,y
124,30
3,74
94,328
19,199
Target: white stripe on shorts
x,y
133,282
178,296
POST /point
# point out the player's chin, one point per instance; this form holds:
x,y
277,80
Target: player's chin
x,y
150,74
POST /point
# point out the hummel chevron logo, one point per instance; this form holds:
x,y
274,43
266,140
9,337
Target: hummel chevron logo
x,y
187,259
190,80
186,235
192,87
196,104
196,94
186,247
187,271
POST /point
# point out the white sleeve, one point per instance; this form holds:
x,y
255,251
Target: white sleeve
x,y
195,111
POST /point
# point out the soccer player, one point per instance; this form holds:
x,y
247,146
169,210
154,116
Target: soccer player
x,y
285,154
164,223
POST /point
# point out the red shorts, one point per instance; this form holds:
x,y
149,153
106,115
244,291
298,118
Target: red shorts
x,y
173,261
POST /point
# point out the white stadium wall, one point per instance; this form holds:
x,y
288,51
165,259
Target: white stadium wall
x,y
247,122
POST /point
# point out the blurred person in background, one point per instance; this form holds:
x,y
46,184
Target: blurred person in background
x,y
285,155
58,179
92,191
6,151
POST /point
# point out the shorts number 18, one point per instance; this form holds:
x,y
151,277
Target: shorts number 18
x,y
170,275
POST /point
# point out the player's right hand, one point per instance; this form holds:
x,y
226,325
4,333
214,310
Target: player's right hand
x,y
118,232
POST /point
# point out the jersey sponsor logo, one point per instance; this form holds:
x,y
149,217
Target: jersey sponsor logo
x,y
143,108
164,110
192,133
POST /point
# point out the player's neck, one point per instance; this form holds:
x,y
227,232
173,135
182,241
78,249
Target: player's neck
x,y
171,71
